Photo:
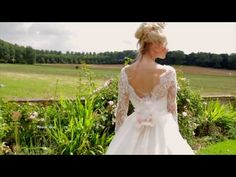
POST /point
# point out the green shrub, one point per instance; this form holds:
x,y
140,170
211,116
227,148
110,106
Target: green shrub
x,y
22,125
73,128
67,127
190,106
217,121
105,104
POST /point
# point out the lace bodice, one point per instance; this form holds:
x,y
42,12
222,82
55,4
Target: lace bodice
x,y
163,95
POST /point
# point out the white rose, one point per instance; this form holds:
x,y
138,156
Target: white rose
x,y
110,103
184,114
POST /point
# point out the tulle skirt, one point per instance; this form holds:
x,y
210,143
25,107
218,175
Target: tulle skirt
x,y
163,137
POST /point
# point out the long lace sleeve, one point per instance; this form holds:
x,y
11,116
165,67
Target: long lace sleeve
x,y
172,94
123,101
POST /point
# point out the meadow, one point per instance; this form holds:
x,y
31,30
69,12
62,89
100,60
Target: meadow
x,y
56,80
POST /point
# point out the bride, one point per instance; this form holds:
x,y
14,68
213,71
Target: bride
x,y
152,89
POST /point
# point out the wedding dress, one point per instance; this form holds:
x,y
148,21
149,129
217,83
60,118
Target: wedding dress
x,y
153,126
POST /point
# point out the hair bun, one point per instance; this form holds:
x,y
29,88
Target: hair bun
x,y
146,28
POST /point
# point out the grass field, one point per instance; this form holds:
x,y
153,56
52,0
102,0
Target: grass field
x,y
227,147
47,81
210,81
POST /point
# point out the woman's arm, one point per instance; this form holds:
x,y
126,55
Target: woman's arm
x,y
123,101
172,94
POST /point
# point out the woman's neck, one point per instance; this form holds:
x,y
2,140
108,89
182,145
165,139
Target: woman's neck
x,y
148,59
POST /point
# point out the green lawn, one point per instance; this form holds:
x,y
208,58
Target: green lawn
x,y
47,81
43,81
212,85
227,147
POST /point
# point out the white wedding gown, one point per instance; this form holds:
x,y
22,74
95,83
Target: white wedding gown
x,y
153,127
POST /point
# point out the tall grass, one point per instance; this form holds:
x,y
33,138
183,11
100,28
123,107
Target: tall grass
x,y
218,121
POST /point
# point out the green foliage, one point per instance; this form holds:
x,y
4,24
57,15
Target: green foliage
x,y
128,61
73,128
67,127
232,61
86,79
30,55
105,105
190,106
217,121
22,124
10,53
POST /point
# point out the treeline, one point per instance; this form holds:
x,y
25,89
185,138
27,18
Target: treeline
x,y
10,53
201,59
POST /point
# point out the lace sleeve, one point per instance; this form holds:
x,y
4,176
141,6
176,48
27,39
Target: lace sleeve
x,y
172,94
123,101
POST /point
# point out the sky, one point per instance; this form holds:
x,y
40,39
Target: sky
x,y
116,36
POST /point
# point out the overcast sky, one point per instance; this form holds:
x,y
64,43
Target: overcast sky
x,y
101,37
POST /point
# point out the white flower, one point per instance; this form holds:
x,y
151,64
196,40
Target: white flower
x,y
184,114
110,103
204,103
178,88
33,115
182,78
107,83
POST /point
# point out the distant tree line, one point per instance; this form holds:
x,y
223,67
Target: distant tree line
x,y
13,53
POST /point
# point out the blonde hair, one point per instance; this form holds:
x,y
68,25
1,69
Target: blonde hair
x,y
149,33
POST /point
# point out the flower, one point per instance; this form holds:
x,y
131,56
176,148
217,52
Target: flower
x,y
33,115
107,83
184,114
110,103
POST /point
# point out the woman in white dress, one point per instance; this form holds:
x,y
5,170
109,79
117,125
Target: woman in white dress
x,y
152,89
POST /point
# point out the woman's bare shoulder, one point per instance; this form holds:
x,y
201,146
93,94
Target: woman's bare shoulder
x,y
169,69
129,68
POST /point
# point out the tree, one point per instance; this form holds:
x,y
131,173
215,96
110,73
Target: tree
x,y
202,59
217,61
179,57
30,55
232,61
225,58
19,53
